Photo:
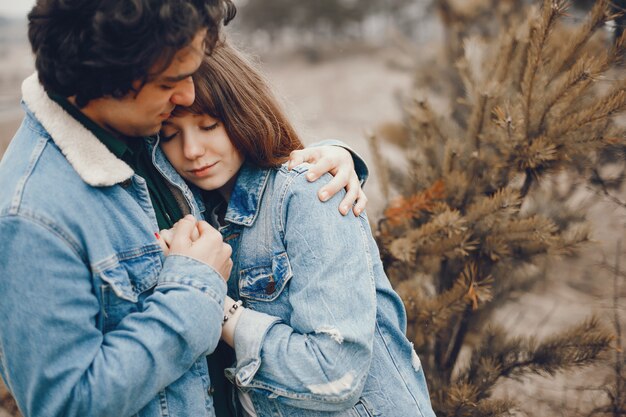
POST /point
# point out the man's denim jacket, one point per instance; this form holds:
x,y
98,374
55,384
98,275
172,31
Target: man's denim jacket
x,y
323,334
94,321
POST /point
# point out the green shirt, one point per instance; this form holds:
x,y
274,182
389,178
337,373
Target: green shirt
x,y
134,152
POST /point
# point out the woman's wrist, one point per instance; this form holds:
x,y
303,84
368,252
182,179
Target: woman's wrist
x,y
232,311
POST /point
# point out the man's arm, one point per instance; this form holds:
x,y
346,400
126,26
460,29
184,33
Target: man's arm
x,y
347,167
53,357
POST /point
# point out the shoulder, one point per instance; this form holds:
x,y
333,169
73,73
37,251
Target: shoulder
x,y
295,182
295,198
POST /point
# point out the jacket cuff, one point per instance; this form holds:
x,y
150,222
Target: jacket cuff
x,y
362,171
250,332
183,270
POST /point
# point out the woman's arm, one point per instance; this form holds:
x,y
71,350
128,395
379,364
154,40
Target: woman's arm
x,y
321,358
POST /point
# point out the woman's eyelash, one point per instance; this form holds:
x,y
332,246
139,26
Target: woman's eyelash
x,y
210,127
169,137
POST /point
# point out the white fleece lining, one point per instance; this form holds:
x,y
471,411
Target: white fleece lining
x,y
91,159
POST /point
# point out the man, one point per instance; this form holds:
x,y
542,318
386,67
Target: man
x,y
95,320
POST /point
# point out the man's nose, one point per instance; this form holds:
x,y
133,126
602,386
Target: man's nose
x,y
185,93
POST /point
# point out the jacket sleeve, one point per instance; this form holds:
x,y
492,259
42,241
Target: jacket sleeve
x,y
321,358
53,357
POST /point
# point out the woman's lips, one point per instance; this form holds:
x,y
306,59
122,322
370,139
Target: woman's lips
x,y
202,172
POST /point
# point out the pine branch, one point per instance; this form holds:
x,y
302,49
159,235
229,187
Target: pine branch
x,y
575,347
579,75
381,165
499,356
551,11
504,202
433,315
505,55
566,53
462,401
597,179
403,209
600,109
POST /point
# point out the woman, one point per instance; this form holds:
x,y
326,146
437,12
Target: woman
x,y
319,333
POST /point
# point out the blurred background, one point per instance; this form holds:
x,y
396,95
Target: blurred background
x,y
420,88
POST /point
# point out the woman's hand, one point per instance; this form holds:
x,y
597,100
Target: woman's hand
x,y
197,240
338,162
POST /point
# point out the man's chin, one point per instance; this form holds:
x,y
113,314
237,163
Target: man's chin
x,y
146,131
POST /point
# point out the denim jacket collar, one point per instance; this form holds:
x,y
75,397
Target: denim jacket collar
x,y
166,169
245,198
91,159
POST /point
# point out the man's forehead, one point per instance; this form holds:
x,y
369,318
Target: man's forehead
x,y
186,61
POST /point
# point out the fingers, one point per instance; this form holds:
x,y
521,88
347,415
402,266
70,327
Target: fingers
x,y
183,230
205,230
321,167
301,156
162,243
361,202
336,184
352,193
212,250
167,235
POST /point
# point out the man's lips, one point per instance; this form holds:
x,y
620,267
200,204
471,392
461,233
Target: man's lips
x,y
202,171
167,114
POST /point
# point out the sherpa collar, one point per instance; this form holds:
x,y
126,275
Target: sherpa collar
x,y
91,159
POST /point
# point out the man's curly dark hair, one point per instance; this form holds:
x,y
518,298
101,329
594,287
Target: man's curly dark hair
x,y
96,48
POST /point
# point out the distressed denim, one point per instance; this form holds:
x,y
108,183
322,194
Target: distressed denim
x,y
94,321
323,334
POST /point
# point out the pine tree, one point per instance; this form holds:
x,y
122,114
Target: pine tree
x,y
471,223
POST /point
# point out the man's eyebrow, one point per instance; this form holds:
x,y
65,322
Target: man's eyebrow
x,y
175,78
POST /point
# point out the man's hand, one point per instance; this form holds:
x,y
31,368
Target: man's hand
x,y
200,241
338,162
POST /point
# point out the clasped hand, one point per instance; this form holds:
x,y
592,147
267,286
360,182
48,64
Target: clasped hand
x,y
200,241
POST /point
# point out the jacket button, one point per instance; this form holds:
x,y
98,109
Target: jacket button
x,y
270,288
126,183
211,390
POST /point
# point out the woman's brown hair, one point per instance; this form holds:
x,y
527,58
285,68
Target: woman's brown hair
x,y
230,89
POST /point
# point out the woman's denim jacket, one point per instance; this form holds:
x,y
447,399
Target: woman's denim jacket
x,y
324,331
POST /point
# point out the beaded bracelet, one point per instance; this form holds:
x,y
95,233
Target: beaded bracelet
x,y
231,311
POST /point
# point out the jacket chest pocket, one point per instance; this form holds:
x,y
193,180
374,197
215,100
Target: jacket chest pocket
x,y
260,286
126,283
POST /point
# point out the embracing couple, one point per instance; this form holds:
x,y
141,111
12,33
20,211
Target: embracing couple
x,y
165,253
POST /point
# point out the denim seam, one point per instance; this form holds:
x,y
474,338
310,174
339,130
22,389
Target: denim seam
x,y
115,259
187,282
286,188
21,184
300,396
50,226
34,126
395,364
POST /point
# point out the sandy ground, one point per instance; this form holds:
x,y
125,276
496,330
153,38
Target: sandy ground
x,y
354,92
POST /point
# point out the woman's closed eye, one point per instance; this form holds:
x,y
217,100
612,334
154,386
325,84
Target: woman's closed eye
x,y
210,127
165,138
